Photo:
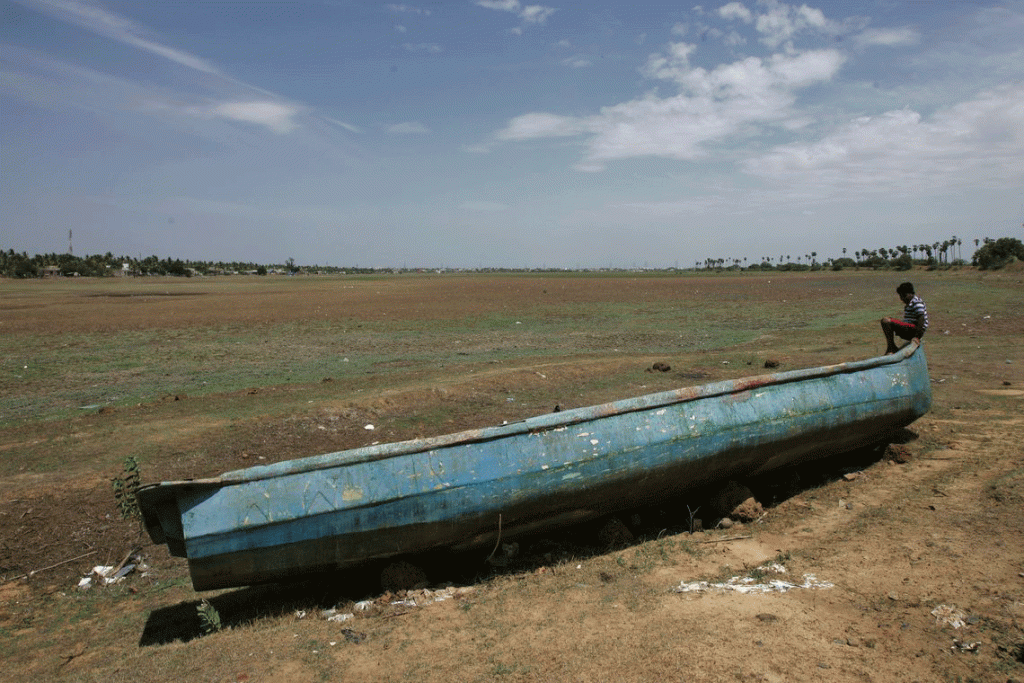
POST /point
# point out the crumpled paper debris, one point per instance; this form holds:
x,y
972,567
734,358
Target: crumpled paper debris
x,y
949,615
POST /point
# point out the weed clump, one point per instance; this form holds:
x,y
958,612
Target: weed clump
x,y
209,617
126,489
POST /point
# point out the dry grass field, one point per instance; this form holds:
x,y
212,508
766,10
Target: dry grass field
x,y
192,377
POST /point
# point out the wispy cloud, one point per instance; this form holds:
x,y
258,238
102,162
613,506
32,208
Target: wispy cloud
x,y
888,37
266,109
407,9
117,27
577,61
347,126
531,14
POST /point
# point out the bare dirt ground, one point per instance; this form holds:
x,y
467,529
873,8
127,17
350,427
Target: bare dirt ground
x,y
916,549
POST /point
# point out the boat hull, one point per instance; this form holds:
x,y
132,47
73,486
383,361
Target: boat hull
x,y
343,509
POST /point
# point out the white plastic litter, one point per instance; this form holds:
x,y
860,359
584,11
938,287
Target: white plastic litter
x,y
746,584
105,575
949,615
334,615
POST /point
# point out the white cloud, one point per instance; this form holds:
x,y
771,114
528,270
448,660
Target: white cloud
x,y
781,23
408,128
745,78
531,14
277,116
729,100
408,9
902,151
536,14
540,125
888,37
502,5
736,10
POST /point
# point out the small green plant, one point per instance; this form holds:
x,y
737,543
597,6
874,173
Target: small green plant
x,y
126,488
209,617
759,574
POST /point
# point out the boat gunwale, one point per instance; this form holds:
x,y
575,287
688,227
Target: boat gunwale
x,y
539,423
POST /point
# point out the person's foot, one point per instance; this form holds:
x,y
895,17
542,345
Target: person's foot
x,y
891,350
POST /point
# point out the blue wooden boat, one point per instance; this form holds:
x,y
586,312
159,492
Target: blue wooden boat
x,y
339,510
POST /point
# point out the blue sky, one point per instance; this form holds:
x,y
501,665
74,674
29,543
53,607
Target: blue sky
x,y
503,134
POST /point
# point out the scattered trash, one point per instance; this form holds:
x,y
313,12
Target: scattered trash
x,y
334,615
964,646
425,596
104,575
368,428
949,615
748,584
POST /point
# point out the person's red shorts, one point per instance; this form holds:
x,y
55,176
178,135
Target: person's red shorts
x,y
904,330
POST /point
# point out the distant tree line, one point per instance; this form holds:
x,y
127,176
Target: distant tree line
x,y
990,254
23,265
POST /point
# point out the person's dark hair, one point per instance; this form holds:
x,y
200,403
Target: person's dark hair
x,y
905,288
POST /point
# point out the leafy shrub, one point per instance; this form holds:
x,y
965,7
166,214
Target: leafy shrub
x,y
209,617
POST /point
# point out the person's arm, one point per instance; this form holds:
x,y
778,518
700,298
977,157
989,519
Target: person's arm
x,y
919,325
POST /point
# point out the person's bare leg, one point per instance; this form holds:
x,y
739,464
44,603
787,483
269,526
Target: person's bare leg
x,y
890,340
